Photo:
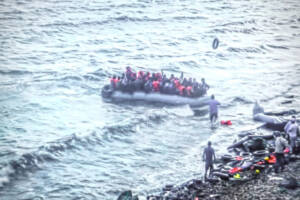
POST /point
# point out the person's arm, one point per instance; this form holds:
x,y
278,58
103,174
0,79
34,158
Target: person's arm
x,y
214,156
203,156
285,142
285,127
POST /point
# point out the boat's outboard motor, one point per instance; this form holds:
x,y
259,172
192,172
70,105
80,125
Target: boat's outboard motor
x,y
106,91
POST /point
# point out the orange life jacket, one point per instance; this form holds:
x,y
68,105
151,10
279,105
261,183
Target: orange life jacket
x,y
155,85
116,81
113,82
235,170
177,84
272,159
181,88
189,90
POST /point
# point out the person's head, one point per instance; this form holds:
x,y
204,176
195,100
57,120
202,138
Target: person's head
x,y
209,143
128,68
293,119
276,134
194,80
203,80
114,77
212,96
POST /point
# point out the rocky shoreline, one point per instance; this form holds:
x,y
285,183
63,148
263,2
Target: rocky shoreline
x,y
264,186
246,172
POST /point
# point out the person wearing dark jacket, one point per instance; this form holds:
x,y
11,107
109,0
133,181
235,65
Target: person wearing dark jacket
x,y
209,158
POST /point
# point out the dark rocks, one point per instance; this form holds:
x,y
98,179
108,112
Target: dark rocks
x,y
289,183
127,195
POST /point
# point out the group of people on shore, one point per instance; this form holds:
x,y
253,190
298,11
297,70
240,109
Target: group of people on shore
x,y
282,146
158,82
286,142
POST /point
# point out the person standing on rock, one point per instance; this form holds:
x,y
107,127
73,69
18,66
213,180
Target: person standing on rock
x,y
209,158
287,126
213,109
280,145
291,130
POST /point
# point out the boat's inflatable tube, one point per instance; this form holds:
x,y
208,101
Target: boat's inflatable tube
x,y
239,143
266,137
154,97
267,119
106,91
272,122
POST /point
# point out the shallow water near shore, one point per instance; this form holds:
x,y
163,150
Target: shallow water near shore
x,y
60,140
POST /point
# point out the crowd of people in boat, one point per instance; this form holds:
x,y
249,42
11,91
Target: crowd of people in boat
x,y
158,82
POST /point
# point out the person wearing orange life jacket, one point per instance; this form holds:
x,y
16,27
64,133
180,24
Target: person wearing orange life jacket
x,y
117,82
189,91
113,82
179,88
158,76
176,82
155,85
182,90
140,75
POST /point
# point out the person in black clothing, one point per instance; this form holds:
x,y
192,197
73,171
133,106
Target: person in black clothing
x,y
209,158
204,86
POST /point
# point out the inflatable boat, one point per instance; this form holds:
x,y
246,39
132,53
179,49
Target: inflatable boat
x,y
154,97
272,122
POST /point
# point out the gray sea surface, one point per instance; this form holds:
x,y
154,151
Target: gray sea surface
x,y
60,140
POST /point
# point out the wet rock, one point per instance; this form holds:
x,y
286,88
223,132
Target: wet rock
x,y
222,176
168,188
289,183
126,195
